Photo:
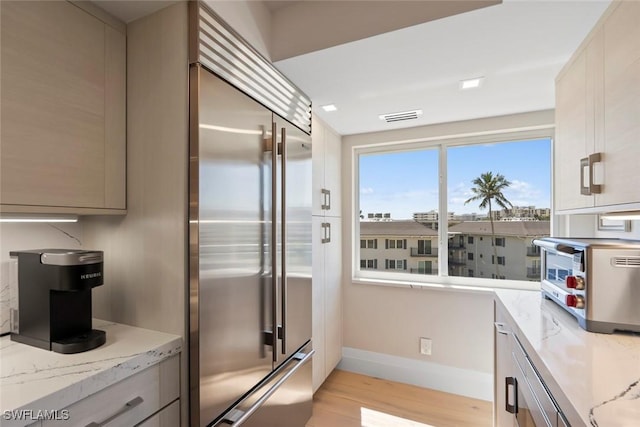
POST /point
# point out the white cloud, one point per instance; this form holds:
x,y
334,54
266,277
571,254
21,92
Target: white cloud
x,y
367,190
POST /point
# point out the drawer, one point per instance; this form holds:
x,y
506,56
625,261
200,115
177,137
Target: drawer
x,y
168,417
129,401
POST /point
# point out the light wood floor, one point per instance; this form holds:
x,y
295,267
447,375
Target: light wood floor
x,y
352,400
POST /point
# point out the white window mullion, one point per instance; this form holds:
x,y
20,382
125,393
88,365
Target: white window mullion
x,y
443,224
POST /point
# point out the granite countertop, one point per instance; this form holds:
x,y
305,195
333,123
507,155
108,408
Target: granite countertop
x,y
36,379
595,378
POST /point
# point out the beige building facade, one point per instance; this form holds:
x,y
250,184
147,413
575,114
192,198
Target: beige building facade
x,y
412,247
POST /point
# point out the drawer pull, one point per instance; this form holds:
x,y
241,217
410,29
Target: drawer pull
x,y
127,407
236,417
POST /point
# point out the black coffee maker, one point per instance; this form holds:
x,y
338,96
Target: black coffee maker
x,y
54,299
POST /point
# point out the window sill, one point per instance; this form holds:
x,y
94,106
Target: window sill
x,y
489,286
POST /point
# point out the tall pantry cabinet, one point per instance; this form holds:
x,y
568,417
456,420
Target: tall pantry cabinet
x,y
327,251
598,118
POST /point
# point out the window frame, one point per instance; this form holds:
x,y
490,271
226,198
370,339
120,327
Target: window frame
x,y
440,143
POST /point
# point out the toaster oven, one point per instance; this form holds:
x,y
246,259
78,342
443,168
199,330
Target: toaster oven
x,y
596,280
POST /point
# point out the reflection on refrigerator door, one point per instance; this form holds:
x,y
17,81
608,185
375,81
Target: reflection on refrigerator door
x,y
250,305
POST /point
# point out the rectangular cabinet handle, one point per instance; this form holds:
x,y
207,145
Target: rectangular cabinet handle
x,y
589,188
326,199
511,381
127,407
326,232
593,159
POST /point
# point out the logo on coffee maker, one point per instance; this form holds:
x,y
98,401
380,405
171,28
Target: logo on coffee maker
x,y
91,275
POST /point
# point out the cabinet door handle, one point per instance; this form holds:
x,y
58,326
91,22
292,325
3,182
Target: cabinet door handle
x,y
127,407
326,199
584,189
593,159
326,232
589,188
511,381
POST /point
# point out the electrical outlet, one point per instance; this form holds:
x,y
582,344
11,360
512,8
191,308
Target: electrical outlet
x,y
425,346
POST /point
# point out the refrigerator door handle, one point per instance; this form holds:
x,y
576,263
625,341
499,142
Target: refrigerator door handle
x,y
283,198
274,241
236,417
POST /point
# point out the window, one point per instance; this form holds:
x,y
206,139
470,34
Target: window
x,y
395,244
424,247
372,244
416,180
393,264
500,260
369,264
363,244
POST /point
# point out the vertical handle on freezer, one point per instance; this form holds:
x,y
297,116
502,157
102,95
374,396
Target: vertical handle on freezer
x,y
274,240
283,281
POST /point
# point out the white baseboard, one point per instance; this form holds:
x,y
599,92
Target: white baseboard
x,y
465,382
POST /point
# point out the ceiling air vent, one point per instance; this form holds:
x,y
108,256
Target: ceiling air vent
x,y
625,261
398,117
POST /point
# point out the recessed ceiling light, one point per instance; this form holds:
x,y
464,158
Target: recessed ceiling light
x,y
329,107
471,83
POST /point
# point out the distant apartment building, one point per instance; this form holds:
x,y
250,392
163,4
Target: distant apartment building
x,y
522,213
402,246
412,247
471,253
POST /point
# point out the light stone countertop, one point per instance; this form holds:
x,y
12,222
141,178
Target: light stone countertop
x,y
595,378
35,379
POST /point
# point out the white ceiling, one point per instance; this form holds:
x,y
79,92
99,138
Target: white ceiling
x,y
518,46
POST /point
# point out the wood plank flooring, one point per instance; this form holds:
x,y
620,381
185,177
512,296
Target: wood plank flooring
x,y
352,400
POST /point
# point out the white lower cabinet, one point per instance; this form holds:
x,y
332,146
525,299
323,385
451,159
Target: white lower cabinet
x,y
149,398
327,296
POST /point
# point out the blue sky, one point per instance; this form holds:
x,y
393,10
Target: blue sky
x,y
407,182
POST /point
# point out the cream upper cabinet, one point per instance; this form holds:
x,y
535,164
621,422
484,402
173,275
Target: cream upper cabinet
x,y
326,170
63,110
571,128
621,105
598,118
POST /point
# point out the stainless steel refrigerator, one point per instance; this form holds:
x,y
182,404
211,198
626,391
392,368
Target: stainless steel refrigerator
x,y
250,261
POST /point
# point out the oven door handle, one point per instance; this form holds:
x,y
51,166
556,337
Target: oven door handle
x,y
511,381
559,247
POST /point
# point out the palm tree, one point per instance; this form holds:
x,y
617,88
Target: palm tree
x,y
489,187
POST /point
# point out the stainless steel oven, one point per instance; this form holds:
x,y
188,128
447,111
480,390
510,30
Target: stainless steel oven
x,y
596,280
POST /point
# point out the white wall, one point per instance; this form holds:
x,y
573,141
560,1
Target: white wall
x,y
382,324
250,19
19,236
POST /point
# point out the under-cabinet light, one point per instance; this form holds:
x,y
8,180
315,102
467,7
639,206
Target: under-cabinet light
x,y
624,215
18,217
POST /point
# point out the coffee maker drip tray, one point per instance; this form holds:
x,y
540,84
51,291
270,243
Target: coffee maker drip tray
x,y
79,343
